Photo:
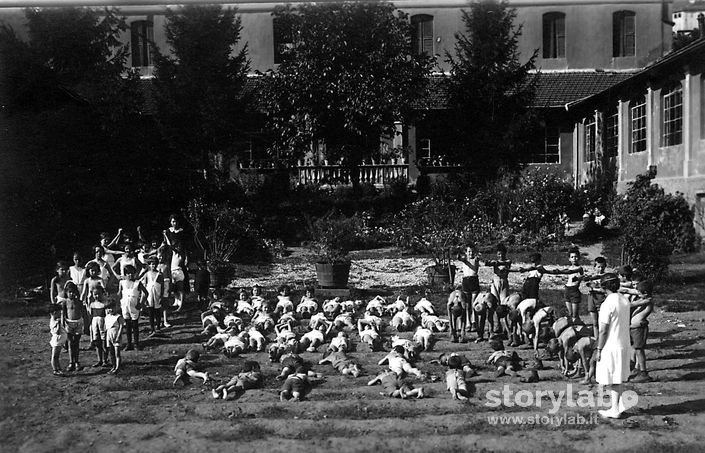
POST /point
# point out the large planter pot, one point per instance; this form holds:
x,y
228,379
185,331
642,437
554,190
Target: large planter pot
x,y
220,276
332,275
440,275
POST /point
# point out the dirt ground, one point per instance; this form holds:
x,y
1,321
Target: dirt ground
x,y
140,410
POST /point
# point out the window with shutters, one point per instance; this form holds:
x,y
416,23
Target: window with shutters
x,y
141,37
623,34
554,35
422,34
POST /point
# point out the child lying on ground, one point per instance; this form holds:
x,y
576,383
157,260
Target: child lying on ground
x,y
257,340
342,363
466,365
344,320
397,306
505,361
455,379
250,378
403,321
395,387
410,348
424,337
399,364
236,344
188,367
296,386
369,320
424,306
370,337
311,340
341,343
376,306
332,307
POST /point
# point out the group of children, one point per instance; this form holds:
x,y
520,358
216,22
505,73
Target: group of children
x,y
109,294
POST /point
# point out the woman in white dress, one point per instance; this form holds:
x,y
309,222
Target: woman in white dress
x,y
613,346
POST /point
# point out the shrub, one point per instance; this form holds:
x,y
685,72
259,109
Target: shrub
x,y
653,225
333,236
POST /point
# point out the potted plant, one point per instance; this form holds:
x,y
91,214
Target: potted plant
x,y
435,227
218,230
332,238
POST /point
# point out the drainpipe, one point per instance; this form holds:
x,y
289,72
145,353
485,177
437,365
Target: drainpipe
x,y
701,25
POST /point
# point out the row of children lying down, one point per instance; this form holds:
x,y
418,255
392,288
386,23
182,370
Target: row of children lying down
x,y
298,376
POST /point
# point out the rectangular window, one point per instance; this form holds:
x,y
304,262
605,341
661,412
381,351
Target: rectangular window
x,y
623,34
611,134
672,102
590,139
425,148
422,34
141,37
283,41
550,152
554,35
638,120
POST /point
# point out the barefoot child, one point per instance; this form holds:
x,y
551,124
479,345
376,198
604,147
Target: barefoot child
x,y
250,378
395,387
96,304
342,363
499,288
572,286
153,282
455,378
296,386
114,323
187,367
73,317
399,364
58,336
131,292
639,329
470,264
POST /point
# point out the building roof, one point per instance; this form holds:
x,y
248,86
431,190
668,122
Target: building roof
x,y
691,55
688,5
555,89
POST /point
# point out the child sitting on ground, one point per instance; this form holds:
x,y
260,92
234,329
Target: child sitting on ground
x,y
187,367
342,363
250,378
395,387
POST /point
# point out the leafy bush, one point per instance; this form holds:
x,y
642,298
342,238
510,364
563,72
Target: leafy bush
x,y
222,231
333,236
432,226
653,225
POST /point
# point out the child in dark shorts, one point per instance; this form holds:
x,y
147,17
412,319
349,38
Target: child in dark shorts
x,y
250,378
296,386
202,284
639,330
395,387
342,363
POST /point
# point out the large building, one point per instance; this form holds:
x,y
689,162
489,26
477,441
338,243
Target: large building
x,y
583,47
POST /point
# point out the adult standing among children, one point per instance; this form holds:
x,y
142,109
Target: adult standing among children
x,y
175,238
613,347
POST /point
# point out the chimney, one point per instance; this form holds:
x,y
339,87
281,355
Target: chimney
x,y
701,25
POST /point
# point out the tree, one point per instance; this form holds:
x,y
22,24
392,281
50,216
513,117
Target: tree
x,y
202,110
490,91
347,74
71,52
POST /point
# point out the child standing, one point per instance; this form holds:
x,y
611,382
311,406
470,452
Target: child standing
x,y
73,316
114,323
56,290
639,330
58,336
77,272
153,282
202,284
129,258
131,293
572,286
470,264
499,288
97,307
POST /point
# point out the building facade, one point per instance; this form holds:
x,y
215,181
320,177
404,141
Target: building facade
x,y
653,120
582,47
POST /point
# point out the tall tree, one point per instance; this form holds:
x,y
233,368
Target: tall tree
x,y
490,91
71,51
347,74
202,109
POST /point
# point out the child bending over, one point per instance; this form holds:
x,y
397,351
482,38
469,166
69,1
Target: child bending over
x,y
187,367
457,313
250,378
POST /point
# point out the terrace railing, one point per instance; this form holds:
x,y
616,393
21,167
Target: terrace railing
x,y
376,174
